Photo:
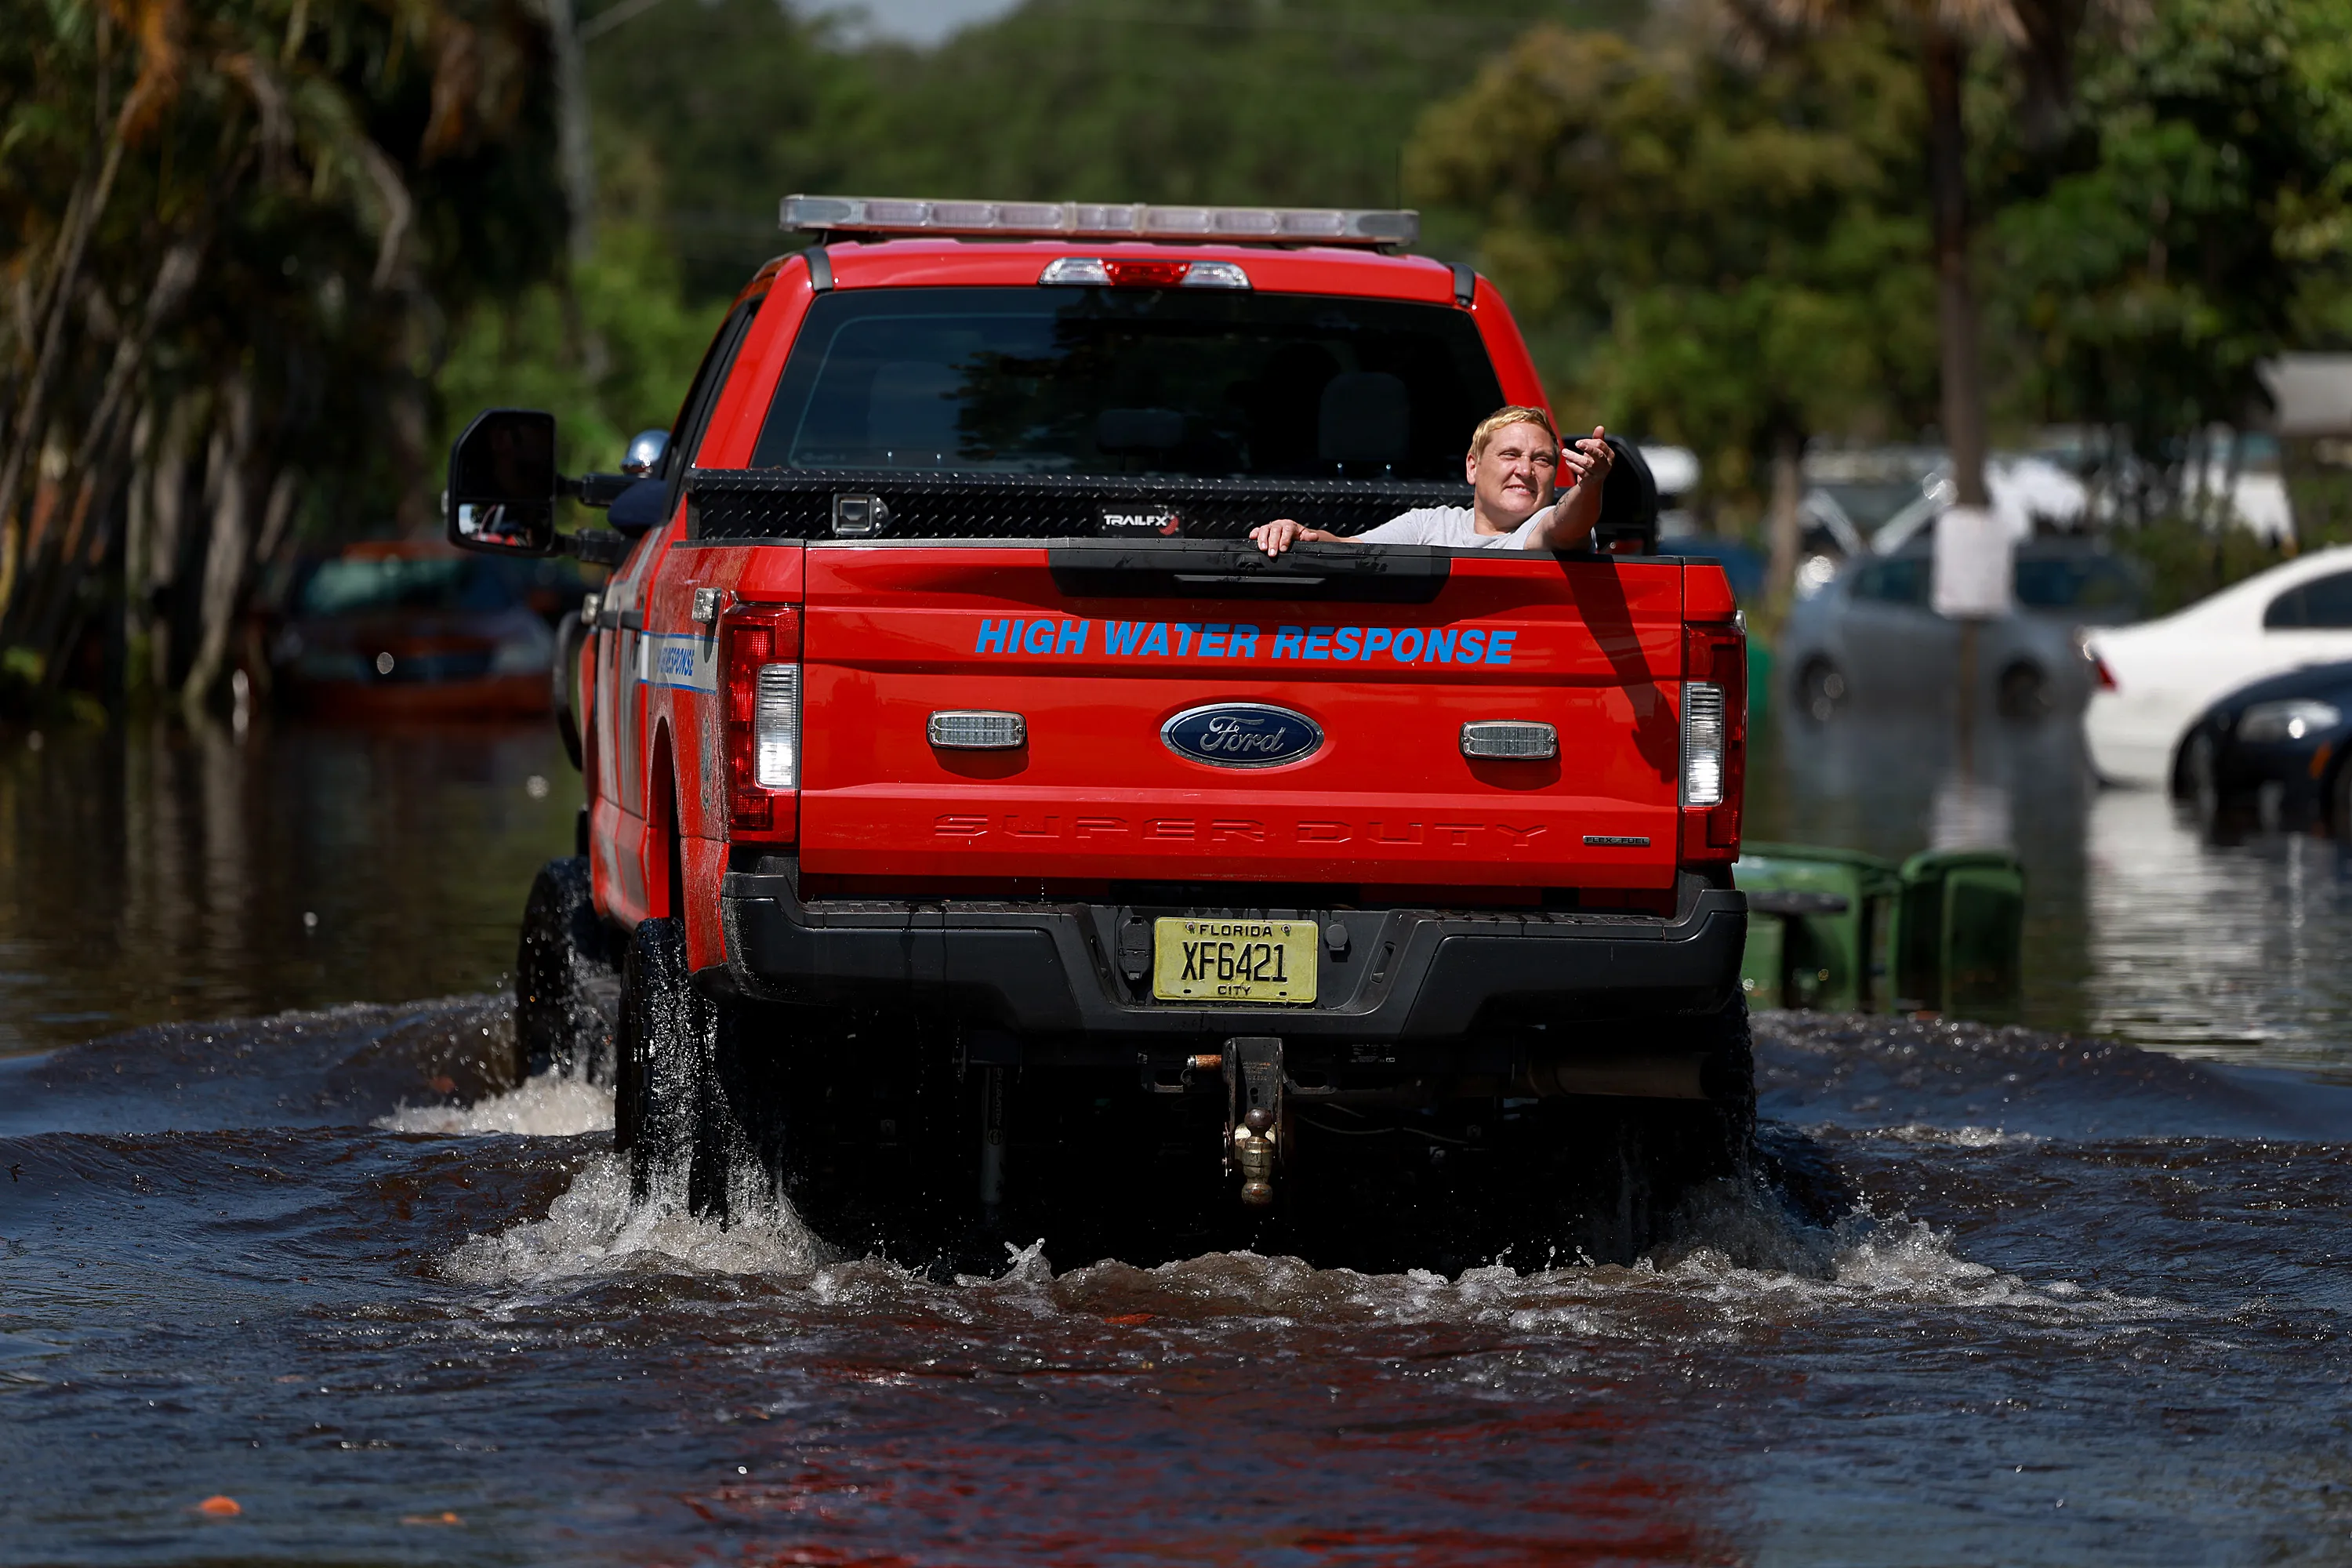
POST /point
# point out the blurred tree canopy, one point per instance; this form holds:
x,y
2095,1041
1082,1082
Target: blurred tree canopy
x,y
1732,250
235,232
2195,223
264,255
1307,101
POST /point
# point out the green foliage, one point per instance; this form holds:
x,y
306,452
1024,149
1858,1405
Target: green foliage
x,y
2186,560
245,222
710,113
2197,225
1739,247
611,360
2322,499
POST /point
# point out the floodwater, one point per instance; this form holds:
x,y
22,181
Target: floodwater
x,y
2018,1296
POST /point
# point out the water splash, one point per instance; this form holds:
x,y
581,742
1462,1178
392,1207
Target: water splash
x,y
550,1106
595,1229
1736,1257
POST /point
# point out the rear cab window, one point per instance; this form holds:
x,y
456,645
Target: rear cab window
x,y
1081,381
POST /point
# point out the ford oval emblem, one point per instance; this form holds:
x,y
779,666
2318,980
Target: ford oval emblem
x,y
1241,735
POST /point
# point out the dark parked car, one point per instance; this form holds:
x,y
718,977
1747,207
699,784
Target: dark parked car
x,y
1870,634
392,629
2273,750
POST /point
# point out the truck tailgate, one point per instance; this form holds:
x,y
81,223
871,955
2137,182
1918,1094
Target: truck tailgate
x,y
1387,798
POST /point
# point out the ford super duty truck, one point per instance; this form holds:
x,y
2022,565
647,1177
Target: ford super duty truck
x,y
980,831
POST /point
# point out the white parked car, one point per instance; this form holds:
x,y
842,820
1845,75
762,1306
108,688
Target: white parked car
x,y
2154,678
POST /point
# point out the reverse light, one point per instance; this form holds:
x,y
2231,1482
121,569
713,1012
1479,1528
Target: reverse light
x,y
1713,738
1702,745
776,728
760,646
2288,720
1100,220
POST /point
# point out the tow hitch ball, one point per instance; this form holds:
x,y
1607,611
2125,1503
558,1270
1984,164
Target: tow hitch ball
x,y
1253,1114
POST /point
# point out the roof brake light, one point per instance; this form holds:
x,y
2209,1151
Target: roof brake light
x,y
1100,220
1146,274
1149,272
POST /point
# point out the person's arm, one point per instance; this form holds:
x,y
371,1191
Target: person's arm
x,y
1569,522
1279,536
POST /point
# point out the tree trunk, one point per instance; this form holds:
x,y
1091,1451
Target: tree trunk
x,y
1956,303
1786,535
160,567
576,159
226,553
34,410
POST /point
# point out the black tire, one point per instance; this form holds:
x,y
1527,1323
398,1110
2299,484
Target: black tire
x,y
1821,689
2023,691
566,986
669,1114
2201,779
1728,1077
1611,1176
2339,802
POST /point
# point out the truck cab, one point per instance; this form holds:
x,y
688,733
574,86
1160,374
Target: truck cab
x,y
969,803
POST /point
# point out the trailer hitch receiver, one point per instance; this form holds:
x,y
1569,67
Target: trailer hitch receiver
x,y
1253,1068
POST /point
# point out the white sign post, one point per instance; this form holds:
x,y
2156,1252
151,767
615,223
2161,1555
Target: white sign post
x,y
1973,569
1973,564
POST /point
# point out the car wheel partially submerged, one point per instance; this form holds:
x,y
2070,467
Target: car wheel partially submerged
x,y
2200,779
2023,691
1821,689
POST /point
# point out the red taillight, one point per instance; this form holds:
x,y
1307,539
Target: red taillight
x,y
1129,274
2101,676
759,650
1714,766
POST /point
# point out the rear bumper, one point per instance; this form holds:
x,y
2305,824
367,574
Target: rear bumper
x,y
1051,972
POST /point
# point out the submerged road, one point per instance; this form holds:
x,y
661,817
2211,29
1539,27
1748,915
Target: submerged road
x,y
2016,1296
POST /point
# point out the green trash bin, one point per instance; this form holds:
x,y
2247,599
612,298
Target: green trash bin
x,y
1959,934
1817,926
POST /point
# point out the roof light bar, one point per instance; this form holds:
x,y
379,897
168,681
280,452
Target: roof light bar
x,y
1096,220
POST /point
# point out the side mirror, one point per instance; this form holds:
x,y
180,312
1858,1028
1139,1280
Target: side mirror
x,y
642,460
503,484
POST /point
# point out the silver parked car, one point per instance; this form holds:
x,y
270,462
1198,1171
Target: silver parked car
x,y
1869,637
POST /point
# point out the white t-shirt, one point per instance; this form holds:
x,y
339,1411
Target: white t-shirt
x,y
1455,527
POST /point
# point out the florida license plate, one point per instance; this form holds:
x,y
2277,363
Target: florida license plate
x,y
1233,960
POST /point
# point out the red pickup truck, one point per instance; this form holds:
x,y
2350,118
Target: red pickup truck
x,y
980,831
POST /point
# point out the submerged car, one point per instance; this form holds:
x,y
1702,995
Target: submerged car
x,y
2153,679
1871,637
2275,750
394,628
